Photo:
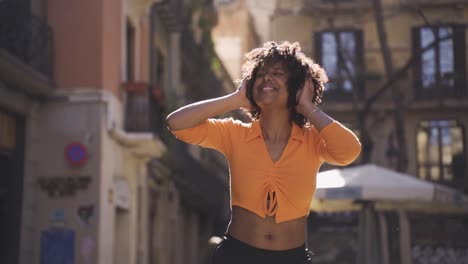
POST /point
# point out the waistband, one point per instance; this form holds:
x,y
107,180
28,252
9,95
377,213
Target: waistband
x,y
244,248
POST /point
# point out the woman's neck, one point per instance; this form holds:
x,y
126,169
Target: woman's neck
x,y
275,125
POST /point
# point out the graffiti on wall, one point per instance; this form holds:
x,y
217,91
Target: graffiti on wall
x,y
85,212
87,248
63,186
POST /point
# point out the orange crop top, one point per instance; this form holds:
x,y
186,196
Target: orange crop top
x,y
254,177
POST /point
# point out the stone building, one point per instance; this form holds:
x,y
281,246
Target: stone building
x,y
89,172
409,108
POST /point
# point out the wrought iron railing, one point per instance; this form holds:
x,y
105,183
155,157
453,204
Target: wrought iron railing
x,y
144,108
26,37
197,70
170,12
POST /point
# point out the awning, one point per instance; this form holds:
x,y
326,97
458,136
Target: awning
x,y
339,189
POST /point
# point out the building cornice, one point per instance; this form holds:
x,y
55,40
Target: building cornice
x,y
142,145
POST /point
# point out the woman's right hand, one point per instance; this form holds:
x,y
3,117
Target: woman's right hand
x,y
241,94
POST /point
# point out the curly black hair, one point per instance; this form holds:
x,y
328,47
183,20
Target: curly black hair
x,y
296,63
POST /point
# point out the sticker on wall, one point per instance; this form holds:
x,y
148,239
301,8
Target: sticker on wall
x,y
122,193
85,213
76,154
87,248
57,246
57,216
110,195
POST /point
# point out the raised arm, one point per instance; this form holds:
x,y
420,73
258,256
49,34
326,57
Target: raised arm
x,y
193,114
337,144
308,109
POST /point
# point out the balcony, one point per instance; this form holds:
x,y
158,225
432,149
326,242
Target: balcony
x,y
26,37
144,107
170,12
205,82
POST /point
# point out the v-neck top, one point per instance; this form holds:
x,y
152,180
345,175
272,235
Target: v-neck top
x,y
285,188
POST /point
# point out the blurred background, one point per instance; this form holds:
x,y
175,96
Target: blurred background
x,y
90,174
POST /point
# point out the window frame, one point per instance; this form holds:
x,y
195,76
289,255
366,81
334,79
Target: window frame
x,y
442,178
340,94
459,64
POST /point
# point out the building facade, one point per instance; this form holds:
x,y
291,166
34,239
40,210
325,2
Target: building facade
x,y
397,73
89,172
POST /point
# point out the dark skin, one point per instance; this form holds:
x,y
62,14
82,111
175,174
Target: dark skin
x,y
270,94
264,232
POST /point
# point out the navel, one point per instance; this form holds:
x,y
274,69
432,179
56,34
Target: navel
x,y
269,237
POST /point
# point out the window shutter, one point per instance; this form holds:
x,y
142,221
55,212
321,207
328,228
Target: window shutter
x,y
360,63
416,38
318,47
460,60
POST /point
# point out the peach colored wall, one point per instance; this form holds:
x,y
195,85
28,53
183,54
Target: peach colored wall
x,y
77,29
87,43
112,41
144,49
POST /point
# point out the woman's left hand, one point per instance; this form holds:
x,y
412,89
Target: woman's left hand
x,y
305,95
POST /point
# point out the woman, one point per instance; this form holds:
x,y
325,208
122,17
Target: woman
x,y
274,160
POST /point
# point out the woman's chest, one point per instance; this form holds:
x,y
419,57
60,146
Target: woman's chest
x,y
294,158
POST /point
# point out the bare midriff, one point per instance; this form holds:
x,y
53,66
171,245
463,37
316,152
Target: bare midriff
x,y
264,233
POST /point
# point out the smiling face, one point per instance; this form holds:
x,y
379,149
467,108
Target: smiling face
x,y
270,87
275,88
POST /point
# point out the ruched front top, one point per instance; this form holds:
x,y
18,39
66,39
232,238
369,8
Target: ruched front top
x,y
285,188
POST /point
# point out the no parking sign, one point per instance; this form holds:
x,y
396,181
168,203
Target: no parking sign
x,y
76,154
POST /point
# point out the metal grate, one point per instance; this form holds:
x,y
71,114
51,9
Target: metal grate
x,y
26,36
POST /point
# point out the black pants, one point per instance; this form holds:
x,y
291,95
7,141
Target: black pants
x,y
233,251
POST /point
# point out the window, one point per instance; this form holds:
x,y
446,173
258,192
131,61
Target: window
x,y
130,46
440,150
440,69
341,55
